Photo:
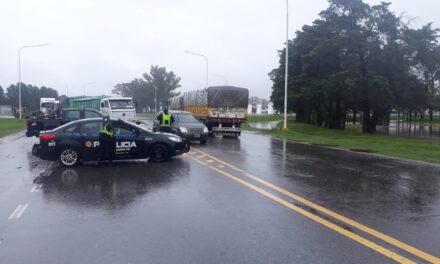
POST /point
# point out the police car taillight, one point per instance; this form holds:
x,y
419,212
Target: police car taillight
x,y
47,137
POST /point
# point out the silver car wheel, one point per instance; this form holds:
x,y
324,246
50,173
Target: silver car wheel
x,y
68,157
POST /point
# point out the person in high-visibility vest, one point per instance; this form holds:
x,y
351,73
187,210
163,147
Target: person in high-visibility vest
x,y
106,143
165,119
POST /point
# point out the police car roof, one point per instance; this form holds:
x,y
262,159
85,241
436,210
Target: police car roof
x,y
100,119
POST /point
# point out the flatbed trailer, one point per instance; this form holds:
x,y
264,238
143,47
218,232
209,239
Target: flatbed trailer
x,y
221,108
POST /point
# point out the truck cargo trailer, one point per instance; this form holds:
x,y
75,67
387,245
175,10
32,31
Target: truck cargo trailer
x,y
221,108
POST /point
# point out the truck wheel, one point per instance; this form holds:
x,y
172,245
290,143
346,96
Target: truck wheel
x,y
203,141
68,157
159,153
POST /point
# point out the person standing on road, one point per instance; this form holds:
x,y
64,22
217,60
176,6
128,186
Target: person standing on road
x,y
106,143
166,120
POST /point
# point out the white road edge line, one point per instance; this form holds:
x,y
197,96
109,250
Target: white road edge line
x,y
13,215
22,210
36,188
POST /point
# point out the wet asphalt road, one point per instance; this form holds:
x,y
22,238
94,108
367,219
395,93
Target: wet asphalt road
x,y
252,200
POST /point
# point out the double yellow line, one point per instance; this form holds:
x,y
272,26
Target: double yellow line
x,y
378,248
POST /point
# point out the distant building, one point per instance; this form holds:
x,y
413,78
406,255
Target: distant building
x,y
258,106
5,110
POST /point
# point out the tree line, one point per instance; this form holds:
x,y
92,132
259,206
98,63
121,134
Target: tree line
x,y
158,83
361,60
30,96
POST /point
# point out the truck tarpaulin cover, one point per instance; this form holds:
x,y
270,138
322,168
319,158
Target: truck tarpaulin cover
x,y
228,96
214,96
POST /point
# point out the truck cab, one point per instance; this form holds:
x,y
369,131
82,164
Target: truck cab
x,y
48,105
118,108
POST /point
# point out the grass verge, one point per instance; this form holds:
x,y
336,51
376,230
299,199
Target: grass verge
x,y
263,118
393,146
10,125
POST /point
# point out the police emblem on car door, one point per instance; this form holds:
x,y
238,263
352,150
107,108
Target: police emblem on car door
x,y
90,139
128,144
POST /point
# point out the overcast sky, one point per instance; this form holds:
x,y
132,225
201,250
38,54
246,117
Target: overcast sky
x,y
98,43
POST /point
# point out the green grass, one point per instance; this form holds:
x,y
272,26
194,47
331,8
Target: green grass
x,y
10,125
351,138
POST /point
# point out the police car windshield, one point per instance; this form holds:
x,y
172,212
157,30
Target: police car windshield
x,y
186,118
121,104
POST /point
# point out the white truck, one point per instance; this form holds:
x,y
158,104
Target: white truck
x,y
118,107
47,105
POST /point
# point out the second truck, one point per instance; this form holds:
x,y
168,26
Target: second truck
x,y
221,108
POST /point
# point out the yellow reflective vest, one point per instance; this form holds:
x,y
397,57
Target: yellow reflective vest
x,y
166,119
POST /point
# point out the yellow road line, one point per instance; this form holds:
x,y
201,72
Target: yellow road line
x,y
371,231
320,220
199,161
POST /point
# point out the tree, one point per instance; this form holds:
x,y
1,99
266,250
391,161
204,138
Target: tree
x,y
30,95
143,90
424,54
2,96
358,58
164,82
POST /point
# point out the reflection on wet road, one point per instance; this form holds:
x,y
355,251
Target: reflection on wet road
x,y
109,188
252,200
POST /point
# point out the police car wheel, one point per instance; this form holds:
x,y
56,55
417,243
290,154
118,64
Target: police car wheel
x,y
68,157
35,148
159,153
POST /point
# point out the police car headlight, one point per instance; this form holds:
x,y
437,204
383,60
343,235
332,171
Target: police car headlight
x,y
183,130
205,130
175,139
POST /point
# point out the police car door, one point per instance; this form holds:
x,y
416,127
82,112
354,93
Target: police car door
x,y
129,143
89,132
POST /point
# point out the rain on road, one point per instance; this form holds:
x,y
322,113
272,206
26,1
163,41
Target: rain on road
x,y
252,200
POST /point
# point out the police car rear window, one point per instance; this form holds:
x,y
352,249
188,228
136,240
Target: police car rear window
x,y
91,114
91,127
71,129
73,114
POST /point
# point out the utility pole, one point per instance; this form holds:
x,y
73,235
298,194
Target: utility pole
x,y
20,110
206,60
286,75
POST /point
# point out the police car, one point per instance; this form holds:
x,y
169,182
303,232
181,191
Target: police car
x,y
78,141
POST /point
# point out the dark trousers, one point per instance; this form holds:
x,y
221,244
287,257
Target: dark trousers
x,y
106,147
